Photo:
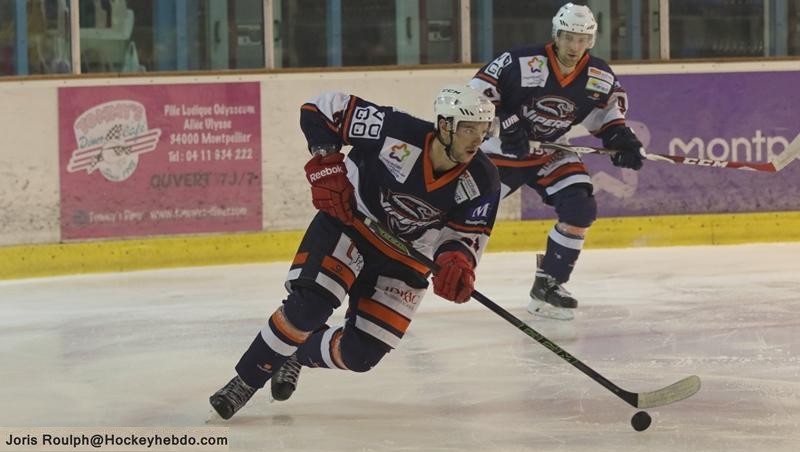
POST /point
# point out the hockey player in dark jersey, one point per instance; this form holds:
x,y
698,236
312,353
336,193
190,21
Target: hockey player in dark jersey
x,y
541,92
427,183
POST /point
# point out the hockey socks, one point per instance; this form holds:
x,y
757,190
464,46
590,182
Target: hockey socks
x,y
258,363
276,342
562,253
322,349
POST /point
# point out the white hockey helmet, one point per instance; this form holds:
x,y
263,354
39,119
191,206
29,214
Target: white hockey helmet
x,y
575,19
463,103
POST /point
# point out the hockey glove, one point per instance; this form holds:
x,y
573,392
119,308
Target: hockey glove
x,y
331,192
513,137
455,279
623,139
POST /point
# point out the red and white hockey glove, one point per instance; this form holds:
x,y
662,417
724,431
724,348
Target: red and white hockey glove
x,y
331,192
455,279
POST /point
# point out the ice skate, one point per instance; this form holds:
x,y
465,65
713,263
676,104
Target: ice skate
x,y
231,397
284,382
550,299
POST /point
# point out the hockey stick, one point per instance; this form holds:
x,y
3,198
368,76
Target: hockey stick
x,y
677,391
773,166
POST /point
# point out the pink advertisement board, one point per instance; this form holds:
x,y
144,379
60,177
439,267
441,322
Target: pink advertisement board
x,y
159,159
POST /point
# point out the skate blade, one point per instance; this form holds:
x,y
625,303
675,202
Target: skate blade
x,y
546,310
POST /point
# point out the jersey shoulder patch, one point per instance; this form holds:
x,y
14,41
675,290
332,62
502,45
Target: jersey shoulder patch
x,y
467,188
597,85
600,74
599,80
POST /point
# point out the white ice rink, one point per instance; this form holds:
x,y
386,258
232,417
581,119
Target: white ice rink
x,y
146,349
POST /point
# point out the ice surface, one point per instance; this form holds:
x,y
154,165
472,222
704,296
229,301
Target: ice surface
x,y
147,348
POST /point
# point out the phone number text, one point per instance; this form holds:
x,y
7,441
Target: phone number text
x,y
210,155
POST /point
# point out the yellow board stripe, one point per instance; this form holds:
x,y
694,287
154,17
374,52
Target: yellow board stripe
x,y
163,252
716,229
667,230
26,261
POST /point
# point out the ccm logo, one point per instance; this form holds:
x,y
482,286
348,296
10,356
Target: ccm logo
x,y
313,177
706,162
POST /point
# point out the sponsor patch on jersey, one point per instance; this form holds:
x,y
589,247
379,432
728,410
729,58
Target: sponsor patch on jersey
x,y
480,213
598,85
601,74
533,71
399,157
467,188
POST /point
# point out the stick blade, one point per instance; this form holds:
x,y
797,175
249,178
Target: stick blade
x,y
789,154
675,392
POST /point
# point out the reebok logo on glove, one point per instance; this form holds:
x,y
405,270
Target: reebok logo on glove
x,y
325,172
331,192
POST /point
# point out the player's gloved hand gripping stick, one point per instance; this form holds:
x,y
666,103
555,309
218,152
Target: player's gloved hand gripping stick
x,y
455,278
677,391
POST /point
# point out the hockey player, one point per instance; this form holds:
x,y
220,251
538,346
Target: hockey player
x,y
540,93
427,183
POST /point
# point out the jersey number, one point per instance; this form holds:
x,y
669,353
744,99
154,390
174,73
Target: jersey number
x,y
495,67
621,104
367,123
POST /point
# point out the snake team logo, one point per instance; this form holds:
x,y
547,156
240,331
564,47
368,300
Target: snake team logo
x,y
110,138
408,215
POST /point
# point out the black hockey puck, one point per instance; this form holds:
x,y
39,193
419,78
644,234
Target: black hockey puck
x,y
640,421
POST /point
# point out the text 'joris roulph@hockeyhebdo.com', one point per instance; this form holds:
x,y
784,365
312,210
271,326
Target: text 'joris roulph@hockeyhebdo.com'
x,y
151,439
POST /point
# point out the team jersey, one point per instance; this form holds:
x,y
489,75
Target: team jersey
x,y
390,167
527,81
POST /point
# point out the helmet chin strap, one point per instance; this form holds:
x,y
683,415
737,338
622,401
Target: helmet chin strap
x,y
448,151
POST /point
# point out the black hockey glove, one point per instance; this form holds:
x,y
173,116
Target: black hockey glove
x,y
513,137
623,139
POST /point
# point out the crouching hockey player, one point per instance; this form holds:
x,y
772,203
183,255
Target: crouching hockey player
x,y
427,183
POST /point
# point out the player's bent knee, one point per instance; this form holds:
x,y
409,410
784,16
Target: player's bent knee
x,y
360,351
307,308
576,206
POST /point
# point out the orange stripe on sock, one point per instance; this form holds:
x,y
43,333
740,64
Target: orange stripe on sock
x,y
336,349
286,328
